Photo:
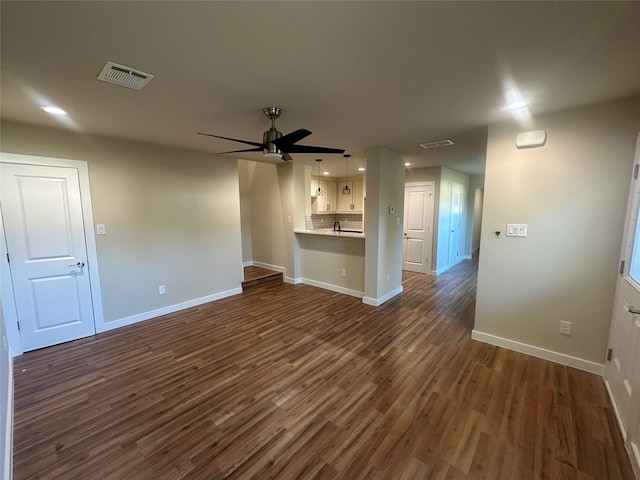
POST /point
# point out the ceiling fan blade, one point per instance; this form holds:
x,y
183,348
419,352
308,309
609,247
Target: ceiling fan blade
x,y
286,156
311,149
255,144
257,149
291,138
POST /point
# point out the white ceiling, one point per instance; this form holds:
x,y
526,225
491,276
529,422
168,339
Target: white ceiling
x,y
357,74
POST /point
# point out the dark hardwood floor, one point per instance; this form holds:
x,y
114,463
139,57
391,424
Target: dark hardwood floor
x,y
289,381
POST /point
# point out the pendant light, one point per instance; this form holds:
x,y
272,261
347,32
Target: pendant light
x,y
346,190
319,191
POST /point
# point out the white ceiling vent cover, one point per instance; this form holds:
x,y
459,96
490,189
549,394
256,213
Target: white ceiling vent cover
x,y
439,143
125,76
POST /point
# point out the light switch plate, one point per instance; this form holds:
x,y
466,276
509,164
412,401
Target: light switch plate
x,y
516,230
100,229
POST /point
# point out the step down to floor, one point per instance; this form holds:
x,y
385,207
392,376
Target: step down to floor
x,y
259,277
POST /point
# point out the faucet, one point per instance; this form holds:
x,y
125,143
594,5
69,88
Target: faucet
x,y
336,224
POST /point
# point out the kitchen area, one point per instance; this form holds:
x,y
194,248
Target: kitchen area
x,y
332,241
350,243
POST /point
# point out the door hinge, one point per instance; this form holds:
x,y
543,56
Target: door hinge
x,y
621,271
609,354
8,261
635,170
18,325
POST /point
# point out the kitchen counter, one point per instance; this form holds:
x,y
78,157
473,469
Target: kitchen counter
x,y
328,232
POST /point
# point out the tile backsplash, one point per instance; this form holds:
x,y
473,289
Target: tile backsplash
x,y
348,221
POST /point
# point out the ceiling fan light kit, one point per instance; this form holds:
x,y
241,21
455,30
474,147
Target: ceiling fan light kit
x,y
276,146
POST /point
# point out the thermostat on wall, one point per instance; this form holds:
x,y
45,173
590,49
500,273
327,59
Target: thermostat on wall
x,y
535,138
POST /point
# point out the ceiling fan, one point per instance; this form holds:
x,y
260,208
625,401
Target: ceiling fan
x,y
274,144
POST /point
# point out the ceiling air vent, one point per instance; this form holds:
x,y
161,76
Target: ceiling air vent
x,y
439,143
125,76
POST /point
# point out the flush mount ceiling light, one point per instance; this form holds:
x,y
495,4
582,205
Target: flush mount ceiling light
x,y
407,164
53,110
361,169
326,173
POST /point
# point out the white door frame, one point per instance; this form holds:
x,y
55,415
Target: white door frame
x,y
6,285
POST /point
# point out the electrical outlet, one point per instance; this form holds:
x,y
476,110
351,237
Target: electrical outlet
x,y
388,277
162,289
343,272
565,327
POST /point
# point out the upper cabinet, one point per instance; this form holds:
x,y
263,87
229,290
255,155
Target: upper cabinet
x,y
352,202
332,200
326,202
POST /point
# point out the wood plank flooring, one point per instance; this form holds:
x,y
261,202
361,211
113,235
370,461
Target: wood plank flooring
x,y
291,381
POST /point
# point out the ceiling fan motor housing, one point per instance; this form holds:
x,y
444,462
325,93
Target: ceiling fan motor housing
x,y
268,137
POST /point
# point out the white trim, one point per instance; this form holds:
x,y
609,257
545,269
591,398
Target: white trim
x,y
270,267
293,281
247,264
538,352
166,310
616,410
333,288
376,302
8,300
7,461
89,233
466,257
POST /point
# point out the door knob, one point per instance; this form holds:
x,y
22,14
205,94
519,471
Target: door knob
x,y
79,264
632,309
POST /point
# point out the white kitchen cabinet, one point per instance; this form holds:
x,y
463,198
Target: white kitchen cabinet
x,y
352,203
326,203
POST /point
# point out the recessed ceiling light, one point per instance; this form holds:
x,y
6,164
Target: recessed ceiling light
x,y
516,105
325,173
361,169
407,164
54,110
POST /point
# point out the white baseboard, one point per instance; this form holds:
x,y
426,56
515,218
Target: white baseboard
x,y
538,352
277,268
632,450
247,264
6,466
293,281
623,430
333,288
376,302
166,310
466,257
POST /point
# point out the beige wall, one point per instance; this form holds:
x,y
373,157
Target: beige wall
x,y
245,210
270,200
572,193
322,258
383,251
172,217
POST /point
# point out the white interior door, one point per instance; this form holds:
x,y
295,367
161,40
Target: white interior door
x,y
418,227
622,372
455,223
44,229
